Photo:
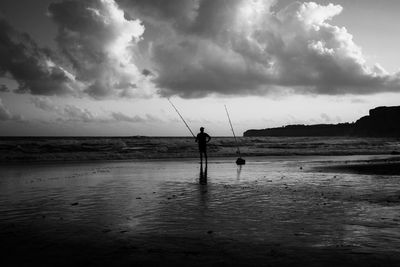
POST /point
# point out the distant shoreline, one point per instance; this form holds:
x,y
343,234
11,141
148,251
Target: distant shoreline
x,y
381,122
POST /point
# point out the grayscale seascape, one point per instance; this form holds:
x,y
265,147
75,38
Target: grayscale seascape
x,y
199,133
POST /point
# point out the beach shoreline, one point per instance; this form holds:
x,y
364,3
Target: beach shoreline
x,y
276,211
89,149
331,163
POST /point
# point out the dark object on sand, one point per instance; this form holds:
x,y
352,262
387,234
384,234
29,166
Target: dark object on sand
x,y
366,168
239,161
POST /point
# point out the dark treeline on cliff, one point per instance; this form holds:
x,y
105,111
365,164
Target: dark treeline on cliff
x,y
381,122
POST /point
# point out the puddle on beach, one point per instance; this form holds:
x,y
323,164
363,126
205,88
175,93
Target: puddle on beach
x,y
269,200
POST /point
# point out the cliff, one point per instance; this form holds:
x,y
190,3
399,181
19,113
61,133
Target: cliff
x,y
381,122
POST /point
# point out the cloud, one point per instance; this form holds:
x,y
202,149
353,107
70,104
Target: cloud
x,y
320,57
100,42
118,116
325,117
4,88
96,53
31,66
191,48
67,113
146,72
243,47
5,114
45,103
179,12
73,113
358,100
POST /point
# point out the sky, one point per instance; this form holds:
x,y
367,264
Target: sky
x,y
107,67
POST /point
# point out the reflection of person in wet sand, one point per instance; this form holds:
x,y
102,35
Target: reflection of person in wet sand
x,y
238,172
203,175
202,139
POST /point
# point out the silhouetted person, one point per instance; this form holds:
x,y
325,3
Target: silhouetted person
x,y
202,139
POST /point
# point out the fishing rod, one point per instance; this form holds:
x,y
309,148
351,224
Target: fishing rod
x,y
237,144
177,111
239,161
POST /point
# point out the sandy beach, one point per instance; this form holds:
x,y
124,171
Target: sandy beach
x,y
274,211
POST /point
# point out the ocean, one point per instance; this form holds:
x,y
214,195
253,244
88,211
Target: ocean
x,y
28,149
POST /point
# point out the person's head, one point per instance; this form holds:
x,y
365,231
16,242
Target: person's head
x,y
201,129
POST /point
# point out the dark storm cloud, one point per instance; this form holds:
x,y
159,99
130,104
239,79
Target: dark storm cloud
x,y
31,66
242,47
94,55
4,88
99,40
191,48
179,12
147,72
214,18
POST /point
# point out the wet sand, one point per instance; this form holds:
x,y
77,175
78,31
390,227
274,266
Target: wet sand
x,y
376,167
276,211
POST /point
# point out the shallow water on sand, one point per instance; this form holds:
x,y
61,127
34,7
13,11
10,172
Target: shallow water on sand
x,y
275,201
